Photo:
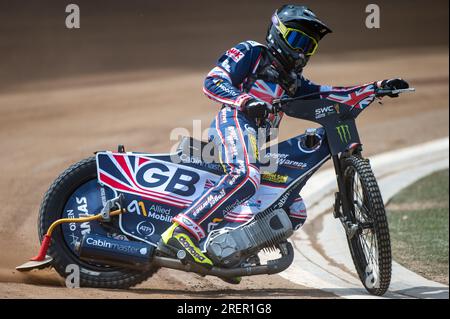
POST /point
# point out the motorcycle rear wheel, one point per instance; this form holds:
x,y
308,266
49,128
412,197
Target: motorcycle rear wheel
x,y
370,246
52,209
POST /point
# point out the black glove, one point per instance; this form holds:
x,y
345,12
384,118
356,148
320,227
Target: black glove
x,y
394,84
258,109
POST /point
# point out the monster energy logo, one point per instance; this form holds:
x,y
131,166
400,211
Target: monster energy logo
x,y
344,133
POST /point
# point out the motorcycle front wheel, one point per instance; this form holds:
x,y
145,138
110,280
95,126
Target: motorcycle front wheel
x,y
369,243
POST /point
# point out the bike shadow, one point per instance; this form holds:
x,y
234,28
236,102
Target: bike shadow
x,y
236,293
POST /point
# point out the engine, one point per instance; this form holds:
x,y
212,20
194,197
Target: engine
x,y
230,247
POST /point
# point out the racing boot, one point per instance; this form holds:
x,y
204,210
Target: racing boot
x,y
176,238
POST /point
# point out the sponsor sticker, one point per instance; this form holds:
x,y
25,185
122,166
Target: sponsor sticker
x,y
188,245
274,178
344,133
283,160
223,115
226,66
186,221
210,201
145,228
160,213
234,54
326,110
221,85
185,158
254,145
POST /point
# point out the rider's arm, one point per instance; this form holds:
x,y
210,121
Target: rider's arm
x,y
224,83
308,87
358,96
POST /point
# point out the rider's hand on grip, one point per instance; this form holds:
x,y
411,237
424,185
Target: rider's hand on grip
x,y
257,108
394,84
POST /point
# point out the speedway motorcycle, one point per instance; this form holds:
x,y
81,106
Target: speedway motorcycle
x,y
106,213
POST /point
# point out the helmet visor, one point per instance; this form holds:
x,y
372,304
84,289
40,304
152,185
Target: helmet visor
x,y
300,41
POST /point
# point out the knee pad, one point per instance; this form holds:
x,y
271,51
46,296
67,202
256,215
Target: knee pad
x,y
297,213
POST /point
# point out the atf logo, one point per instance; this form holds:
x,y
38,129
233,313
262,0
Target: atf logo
x,y
145,228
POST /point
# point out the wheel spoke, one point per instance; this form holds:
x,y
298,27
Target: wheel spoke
x,y
363,211
369,251
366,237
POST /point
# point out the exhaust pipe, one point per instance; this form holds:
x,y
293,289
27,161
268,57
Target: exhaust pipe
x,y
272,266
139,255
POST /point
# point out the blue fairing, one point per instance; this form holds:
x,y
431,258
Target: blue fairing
x,y
155,189
296,161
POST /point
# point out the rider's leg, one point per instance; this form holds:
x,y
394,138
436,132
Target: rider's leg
x,y
238,155
297,213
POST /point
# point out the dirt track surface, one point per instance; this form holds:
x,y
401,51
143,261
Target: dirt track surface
x,y
119,80
46,127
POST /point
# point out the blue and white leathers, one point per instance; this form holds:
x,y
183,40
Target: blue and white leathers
x,y
231,81
235,136
225,83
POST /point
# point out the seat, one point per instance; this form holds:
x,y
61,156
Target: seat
x,y
199,151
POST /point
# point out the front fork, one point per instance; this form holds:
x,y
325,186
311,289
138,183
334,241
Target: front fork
x,y
342,207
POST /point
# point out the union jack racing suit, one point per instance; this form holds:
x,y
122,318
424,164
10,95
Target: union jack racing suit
x,y
232,82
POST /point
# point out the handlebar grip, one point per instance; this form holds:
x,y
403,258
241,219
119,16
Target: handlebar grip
x,y
385,92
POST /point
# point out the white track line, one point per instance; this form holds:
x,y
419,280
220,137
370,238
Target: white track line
x,y
323,259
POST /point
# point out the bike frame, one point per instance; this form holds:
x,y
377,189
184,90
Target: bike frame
x,y
338,120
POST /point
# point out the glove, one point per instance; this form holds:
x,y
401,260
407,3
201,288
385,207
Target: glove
x,y
394,84
257,109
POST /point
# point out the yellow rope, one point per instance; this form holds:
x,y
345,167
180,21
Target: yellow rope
x,y
80,220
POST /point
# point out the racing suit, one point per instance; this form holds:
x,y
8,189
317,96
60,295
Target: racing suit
x,y
233,82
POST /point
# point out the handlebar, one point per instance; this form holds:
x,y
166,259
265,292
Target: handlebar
x,y
381,92
278,103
